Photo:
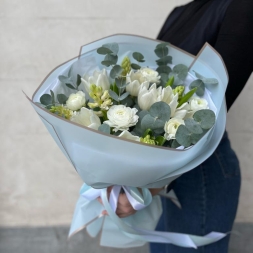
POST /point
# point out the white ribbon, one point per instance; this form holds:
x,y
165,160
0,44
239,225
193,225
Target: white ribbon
x,y
138,201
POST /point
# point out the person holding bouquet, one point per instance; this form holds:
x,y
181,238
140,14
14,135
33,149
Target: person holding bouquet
x,y
209,193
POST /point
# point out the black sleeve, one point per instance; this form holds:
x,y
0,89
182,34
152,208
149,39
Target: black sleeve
x,y
235,44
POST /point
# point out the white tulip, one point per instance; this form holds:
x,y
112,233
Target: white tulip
x,y
147,97
170,128
99,78
125,134
87,118
76,101
121,117
197,103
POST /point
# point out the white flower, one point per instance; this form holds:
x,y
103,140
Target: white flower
x,y
149,75
147,97
170,128
87,118
125,134
197,103
99,78
121,117
76,101
134,83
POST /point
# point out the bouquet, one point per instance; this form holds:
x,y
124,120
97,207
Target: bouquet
x,y
133,112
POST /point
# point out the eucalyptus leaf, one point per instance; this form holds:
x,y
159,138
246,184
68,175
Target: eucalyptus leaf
x,y
160,110
135,66
53,97
107,63
128,101
62,98
162,50
196,137
163,69
138,57
163,44
193,126
164,60
123,96
65,79
187,96
163,79
151,122
78,80
104,50
104,128
181,70
113,95
70,86
114,47
115,71
120,82
112,58
46,99
198,75
210,81
205,117
183,136
175,144
200,87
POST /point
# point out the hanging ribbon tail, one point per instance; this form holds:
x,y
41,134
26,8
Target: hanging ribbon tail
x,y
172,196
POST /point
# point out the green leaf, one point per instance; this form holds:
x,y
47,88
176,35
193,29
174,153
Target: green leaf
x,y
161,50
153,123
107,63
198,75
62,98
193,126
65,79
78,80
46,99
181,71
160,140
123,96
116,71
112,58
163,69
114,47
164,60
205,117
183,136
196,137
163,79
104,50
210,81
200,87
175,144
187,96
128,101
163,44
120,82
160,110
138,57
113,95
70,86
170,81
135,66
104,128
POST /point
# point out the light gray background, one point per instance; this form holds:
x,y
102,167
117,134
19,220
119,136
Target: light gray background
x,y
38,186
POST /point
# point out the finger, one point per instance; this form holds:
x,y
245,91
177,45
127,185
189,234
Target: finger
x,y
104,212
100,200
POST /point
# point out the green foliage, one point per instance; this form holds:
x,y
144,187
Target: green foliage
x,y
104,50
114,47
46,99
67,81
180,71
183,136
205,117
135,66
164,60
163,69
199,84
111,58
78,80
62,98
162,50
113,95
163,79
120,82
193,126
170,81
138,57
207,81
115,71
104,128
187,96
53,97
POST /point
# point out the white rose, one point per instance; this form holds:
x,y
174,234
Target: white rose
x,y
149,75
197,103
121,117
171,127
76,101
126,135
99,78
87,118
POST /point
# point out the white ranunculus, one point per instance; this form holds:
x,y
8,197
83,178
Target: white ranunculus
x,y
134,83
149,75
99,78
121,117
197,103
126,135
86,118
147,96
170,128
76,101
